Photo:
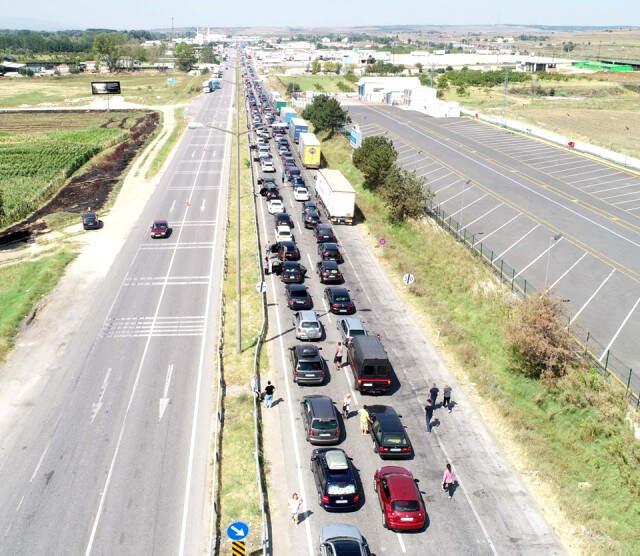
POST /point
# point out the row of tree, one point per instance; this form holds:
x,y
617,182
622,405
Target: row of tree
x,y
405,194
328,66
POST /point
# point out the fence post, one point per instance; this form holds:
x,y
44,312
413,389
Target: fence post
x,y
492,257
606,361
501,265
513,277
525,287
464,236
629,380
586,344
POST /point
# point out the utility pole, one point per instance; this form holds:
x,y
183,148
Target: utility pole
x,y
171,28
504,102
238,262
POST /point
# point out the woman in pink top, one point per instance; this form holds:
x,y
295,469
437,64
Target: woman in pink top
x,y
449,480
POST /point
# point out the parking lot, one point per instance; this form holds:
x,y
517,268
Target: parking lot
x,y
564,222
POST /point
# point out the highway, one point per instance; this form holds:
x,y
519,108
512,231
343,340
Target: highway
x,y
108,451
491,512
563,221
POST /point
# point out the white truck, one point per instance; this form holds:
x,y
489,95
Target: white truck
x,y
336,195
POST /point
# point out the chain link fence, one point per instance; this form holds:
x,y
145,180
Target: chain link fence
x,y
602,359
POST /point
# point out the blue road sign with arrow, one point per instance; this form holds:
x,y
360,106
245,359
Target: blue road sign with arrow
x,y
238,531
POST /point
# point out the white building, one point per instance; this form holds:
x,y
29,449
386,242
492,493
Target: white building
x,y
392,90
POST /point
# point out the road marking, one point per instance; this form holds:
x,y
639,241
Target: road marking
x,y
619,195
497,229
454,196
97,406
203,205
173,205
534,261
44,453
604,352
134,389
402,546
430,183
618,203
20,504
566,272
516,242
310,261
348,259
612,189
164,400
574,317
326,310
470,204
482,216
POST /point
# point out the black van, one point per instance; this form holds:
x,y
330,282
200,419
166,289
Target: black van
x,y
370,365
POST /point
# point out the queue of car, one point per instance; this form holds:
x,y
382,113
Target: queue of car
x,y
337,481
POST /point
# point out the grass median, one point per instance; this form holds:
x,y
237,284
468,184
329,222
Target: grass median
x,y
22,286
573,434
169,144
239,498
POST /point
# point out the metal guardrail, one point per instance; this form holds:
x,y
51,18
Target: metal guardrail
x,y
601,358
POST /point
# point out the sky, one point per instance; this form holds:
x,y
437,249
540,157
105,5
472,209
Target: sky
x,y
147,14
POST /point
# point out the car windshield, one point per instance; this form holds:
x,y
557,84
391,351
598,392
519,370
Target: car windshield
x,y
394,439
356,332
405,505
344,547
324,424
337,488
309,366
310,325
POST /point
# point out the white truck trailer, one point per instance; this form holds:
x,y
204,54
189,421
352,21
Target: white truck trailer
x,y
336,195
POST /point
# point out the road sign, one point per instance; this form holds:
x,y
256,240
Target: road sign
x,y
261,287
238,530
105,87
382,241
238,548
408,279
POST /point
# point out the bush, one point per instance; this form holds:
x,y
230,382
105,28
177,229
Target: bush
x,y
541,346
375,158
405,195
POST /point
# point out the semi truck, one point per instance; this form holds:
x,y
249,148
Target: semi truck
x,y
287,114
296,127
309,150
279,103
336,195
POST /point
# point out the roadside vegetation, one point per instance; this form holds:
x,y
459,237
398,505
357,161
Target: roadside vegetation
x,y
318,83
22,286
569,422
239,498
169,144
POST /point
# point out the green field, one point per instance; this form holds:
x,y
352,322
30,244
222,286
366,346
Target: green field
x,y
319,83
75,90
601,109
39,151
574,432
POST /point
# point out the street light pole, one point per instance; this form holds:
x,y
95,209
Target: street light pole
x,y
238,281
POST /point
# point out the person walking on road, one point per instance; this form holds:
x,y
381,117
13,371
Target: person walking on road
x,y
337,358
446,400
433,393
365,419
346,405
282,176
449,480
295,504
428,414
268,394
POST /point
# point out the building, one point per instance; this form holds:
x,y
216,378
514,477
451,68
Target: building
x,y
392,90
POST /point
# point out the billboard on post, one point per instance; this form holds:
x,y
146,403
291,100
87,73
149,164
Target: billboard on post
x,y
105,87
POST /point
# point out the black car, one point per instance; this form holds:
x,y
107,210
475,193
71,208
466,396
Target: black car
x,y
336,480
330,252
311,219
90,220
339,301
293,172
324,234
329,272
307,365
288,251
390,440
282,219
308,205
297,181
298,297
320,419
292,272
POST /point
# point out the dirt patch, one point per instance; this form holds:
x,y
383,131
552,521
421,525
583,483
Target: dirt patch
x,y
92,187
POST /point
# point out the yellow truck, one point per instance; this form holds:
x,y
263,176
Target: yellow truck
x,y
309,150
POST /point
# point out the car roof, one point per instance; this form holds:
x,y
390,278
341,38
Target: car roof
x,y
293,287
353,323
340,530
288,244
308,315
329,245
339,291
275,201
323,225
306,351
322,406
402,486
387,417
291,264
336,460
329,264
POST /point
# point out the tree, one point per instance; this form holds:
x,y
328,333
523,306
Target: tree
x,y
315,66
405,194
293,88
206,55
326,114
185,56
375,158
419,66
108,49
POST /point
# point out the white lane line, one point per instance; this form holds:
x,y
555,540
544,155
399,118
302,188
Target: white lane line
x,y
326,310
310,261
402,546
97,406
39,464
454,196
204,203
164,400
572,182
470,204
114,458
534,261
173,205
632,209
497,229
575,317
618,203
620,195
346,258
482,216
566,272
291,203
516,242
615,336
612,189
20,503
430,183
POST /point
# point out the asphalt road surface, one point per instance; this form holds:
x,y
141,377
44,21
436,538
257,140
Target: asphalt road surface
x,y
111,457
563,221
491,512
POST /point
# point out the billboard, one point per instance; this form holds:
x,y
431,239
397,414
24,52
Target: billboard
x,y
105,87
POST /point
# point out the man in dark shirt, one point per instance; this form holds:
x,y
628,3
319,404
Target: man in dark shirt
x,y
268,394
434,394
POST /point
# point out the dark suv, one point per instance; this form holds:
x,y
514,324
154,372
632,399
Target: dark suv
x,y
90,220
330,252
336,480
390,440
329,272
311,219
292,272
307,365
320,420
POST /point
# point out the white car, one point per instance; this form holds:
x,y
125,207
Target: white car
x,y
284,233
267,166
301,194
274,206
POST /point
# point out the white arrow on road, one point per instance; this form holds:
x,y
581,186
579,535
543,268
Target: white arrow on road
x,y
164,400
173,205
202,205
97,406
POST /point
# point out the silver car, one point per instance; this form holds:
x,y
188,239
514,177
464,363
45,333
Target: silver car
x,y
308,327
348,327
340,539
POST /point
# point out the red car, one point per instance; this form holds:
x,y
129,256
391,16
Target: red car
x,y
400,501
160,228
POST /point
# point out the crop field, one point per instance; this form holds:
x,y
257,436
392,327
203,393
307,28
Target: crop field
x,y
75,90
39,151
